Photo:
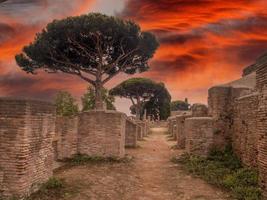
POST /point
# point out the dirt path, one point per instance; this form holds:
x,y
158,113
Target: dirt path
x,y
150,176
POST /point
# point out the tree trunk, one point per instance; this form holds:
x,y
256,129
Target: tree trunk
x,y
138,113
99,104
138,108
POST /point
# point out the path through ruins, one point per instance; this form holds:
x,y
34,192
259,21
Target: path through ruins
x,y
150,176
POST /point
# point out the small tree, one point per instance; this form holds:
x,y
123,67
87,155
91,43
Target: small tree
x,y
180,105
158,107
139,91
88,99
94,47
65,104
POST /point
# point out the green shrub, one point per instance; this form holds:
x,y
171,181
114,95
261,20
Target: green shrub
x,y
224,169
244,183
53,183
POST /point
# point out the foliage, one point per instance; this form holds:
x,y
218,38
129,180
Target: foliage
x,y
54,188
158,107
94,47
53,183
224,169
180,105
88,99
144,93
65,104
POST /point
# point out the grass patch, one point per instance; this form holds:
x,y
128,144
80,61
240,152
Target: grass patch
x,y
51,190
174,147
80,159
224,169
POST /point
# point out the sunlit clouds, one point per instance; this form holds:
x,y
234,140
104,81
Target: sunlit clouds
x,y
203,42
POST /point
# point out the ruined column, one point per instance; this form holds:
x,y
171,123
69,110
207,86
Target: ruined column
x,y
27,129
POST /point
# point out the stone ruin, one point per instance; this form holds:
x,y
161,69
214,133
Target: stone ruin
x,y
236,114
32,137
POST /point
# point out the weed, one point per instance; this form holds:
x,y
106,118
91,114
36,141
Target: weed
x,y
224,169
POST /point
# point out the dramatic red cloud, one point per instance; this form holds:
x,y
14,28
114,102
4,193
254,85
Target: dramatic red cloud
x,y
203,42
19,22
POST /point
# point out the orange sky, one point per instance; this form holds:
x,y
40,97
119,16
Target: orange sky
x,y
203,42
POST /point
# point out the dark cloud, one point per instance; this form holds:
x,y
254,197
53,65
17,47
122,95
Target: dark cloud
x,y
6,32
179,63
179,38
134,7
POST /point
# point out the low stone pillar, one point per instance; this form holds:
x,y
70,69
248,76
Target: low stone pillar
x,y
27,129
180,133
131,133
199,135
139,132
142,129
102,133
172,126
199,110
66,139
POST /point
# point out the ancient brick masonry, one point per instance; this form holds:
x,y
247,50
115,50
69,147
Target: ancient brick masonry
x,y
245,136
172,125
131,132
26,154
181,135
102,133
199,135
221,108
142,129
262,143
261,76
65,142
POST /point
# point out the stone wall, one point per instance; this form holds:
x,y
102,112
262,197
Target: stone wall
x,y
26,155
172,126
245,136
221,103
131,132
66,139
199,110
261,86
102,133
262,134
261,73
199,135
181,134
142,129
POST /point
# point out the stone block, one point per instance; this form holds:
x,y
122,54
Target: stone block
x,y
199,110
199,135
66,139
27,129
131,132
102,133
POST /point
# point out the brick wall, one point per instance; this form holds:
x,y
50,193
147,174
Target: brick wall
x,y
141,129
199,110
221,102
131,132
261,76
102,133
181,137
245,135
199,135
26,154
261,72
65,141
172,126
